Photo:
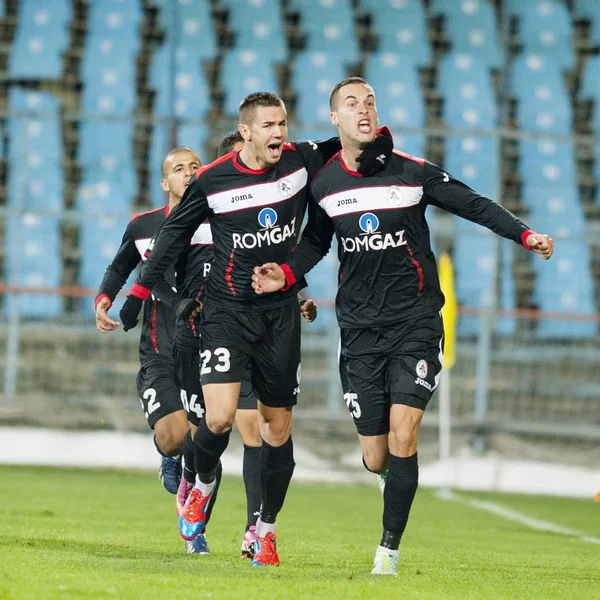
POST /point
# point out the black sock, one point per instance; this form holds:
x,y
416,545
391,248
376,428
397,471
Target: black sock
x,y
276,469
208,449
189,471
213,498
251,472
400,489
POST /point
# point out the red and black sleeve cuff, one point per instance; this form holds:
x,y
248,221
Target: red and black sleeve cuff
x,y
524,237
139,291
290,278
99,297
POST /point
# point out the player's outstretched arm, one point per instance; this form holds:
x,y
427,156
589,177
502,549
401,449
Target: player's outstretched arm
x,y
268,278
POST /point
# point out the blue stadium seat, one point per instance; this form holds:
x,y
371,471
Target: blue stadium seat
x,y
401,27
258,25
24,100
40,40
474,161
590,90
329,26
545,28
474,258
159,146
323,71
188,92
471,28
469,99
33,250
38,189
565,285
101,140
410,143
117,19
195,136
244,72
312,133
109,88
396,84
188,25
106,193
586,9
100,239
555,211
544,104
547,163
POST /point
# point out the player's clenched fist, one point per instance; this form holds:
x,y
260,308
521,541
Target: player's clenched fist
x,y
268,278
541,244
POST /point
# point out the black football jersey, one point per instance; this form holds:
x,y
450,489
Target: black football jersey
x,y
255,217
158,326
387,271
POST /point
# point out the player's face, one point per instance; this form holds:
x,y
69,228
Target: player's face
x,y
179,169
266,135
355,114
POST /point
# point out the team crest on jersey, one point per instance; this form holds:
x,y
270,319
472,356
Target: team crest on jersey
x,y
285,188
395,196
422,369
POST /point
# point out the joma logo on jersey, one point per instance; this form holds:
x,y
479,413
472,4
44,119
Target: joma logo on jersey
x,y
347,201
371,239
241,197
271,233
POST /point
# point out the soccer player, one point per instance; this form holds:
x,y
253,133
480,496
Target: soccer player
x,y
255,201
193,268
157,383
389,298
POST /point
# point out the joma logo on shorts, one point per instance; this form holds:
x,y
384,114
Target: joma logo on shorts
x,y
241,197
346,201
422,382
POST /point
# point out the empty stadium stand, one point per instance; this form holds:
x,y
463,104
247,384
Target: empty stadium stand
x,y
96,92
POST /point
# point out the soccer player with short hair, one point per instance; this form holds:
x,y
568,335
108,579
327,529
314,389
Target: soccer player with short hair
x,y
158,387
389,298
255,201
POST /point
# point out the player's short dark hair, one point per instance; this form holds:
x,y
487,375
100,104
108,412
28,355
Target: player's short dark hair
x,y
340,85
175,151
252,101
229,141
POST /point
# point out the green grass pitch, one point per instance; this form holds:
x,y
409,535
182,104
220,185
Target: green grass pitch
x,y
67,533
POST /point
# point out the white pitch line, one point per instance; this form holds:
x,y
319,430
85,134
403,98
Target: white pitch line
x,y
517,517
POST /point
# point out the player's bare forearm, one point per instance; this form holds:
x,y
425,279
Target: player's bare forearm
x,y
268,278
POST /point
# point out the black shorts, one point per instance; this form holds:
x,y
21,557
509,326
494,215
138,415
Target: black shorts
x,y
158,390
269,340
390,365
188,375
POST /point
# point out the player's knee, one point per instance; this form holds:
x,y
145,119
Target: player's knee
x,y
374,462
219,423
169,440
403,442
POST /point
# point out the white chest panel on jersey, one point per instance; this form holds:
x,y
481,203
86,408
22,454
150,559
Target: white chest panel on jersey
x,y
384,197
260,194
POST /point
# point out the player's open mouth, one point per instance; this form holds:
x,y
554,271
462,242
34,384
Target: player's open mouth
x,y
364,126
274,150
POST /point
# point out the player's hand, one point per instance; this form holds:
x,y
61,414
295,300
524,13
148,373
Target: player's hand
x,y
377,154
541,244
104,323
308,309
268,278
130,311
188,309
